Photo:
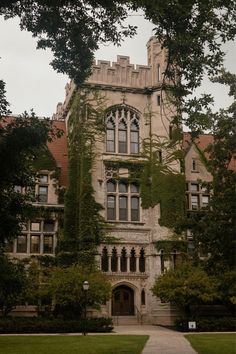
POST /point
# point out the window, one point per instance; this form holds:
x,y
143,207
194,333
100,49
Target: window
x,y
111,207
114,260
170,132
122,131
162,259
158,100
104,264
160,156
110,136
48,226
21,244
194,165
132,261
142,261
174,258
194,187
123,215
143,297
48,244
43,194
158,73
123,261
126,197
34,243
205,200
134,138
43,179
35,226
194,202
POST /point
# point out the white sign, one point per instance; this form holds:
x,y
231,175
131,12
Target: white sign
x,y
192,325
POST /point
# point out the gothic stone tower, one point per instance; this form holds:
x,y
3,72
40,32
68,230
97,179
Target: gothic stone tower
x,y
132,262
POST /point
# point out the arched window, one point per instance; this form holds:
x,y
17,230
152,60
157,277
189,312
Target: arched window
x,y
114,260
123,261
110,136
143,297
134,137
104,260
132,261
122,137
142,261
122,124
162,261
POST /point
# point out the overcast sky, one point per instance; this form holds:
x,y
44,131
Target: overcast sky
x,y
32,83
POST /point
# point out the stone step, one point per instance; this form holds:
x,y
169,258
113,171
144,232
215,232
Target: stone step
x,y
125,320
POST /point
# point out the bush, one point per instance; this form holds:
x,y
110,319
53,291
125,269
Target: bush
x,y
42,325
209,324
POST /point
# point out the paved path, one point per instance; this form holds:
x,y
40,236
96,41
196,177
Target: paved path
x,y
161,340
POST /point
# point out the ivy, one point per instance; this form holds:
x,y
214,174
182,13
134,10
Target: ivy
x,y
83,224
169,246
44,160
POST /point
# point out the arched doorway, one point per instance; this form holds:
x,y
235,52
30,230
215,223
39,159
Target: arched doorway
x,y
122,301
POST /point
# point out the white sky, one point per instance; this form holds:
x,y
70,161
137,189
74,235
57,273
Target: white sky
x,y
32,83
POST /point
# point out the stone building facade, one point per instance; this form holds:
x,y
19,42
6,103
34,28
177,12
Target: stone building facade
x,y
135,111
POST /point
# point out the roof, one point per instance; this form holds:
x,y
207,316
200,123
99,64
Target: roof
x,y
59,150
202,141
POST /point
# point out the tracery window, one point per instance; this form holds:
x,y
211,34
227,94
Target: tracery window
x,y
123,261
114,260
122,131
123,202
132,261
104,260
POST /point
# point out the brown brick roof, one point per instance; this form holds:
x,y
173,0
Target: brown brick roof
x,y
203,141
58,148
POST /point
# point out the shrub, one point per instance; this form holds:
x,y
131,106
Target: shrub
x,y
42,325
209,324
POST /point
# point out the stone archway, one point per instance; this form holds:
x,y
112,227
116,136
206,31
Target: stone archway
x,y
122,301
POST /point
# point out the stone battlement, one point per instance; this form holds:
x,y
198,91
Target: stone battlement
x,y
120,73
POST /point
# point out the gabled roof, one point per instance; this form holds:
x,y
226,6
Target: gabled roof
x,y
202,142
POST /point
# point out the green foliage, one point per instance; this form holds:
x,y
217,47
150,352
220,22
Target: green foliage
x,y
52,325
83,226
65,287
4,105
168,246
44,160
20,139
12,283
185,286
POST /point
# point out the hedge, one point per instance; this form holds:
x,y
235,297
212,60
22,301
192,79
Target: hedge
x,y
209,324
42,325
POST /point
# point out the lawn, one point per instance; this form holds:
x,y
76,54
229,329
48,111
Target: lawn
x,y
218,343
90,344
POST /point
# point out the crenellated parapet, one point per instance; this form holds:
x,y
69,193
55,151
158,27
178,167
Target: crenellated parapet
x,y
120,73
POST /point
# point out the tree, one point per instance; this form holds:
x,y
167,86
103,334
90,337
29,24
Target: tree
x,y
20,140
74,29
65,286
12,284
185,286
213,228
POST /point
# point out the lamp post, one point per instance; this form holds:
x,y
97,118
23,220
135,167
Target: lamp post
x,y
85,288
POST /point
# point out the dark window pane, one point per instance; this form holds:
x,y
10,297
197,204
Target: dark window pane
x,y
43,194
111,208
143,297
110,146
104,260
132,261
134,188
21,246
123,261
114,261
134,209
123,208
48,244
111,186
43,178
48,226
142,261
123,188
34,244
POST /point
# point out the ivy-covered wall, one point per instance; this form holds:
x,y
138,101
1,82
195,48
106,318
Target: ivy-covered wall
x,y
83,225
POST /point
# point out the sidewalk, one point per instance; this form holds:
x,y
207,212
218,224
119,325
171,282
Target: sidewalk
x,y
161,340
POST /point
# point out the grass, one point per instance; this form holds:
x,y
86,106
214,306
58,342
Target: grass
x,y
218,343
90,344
